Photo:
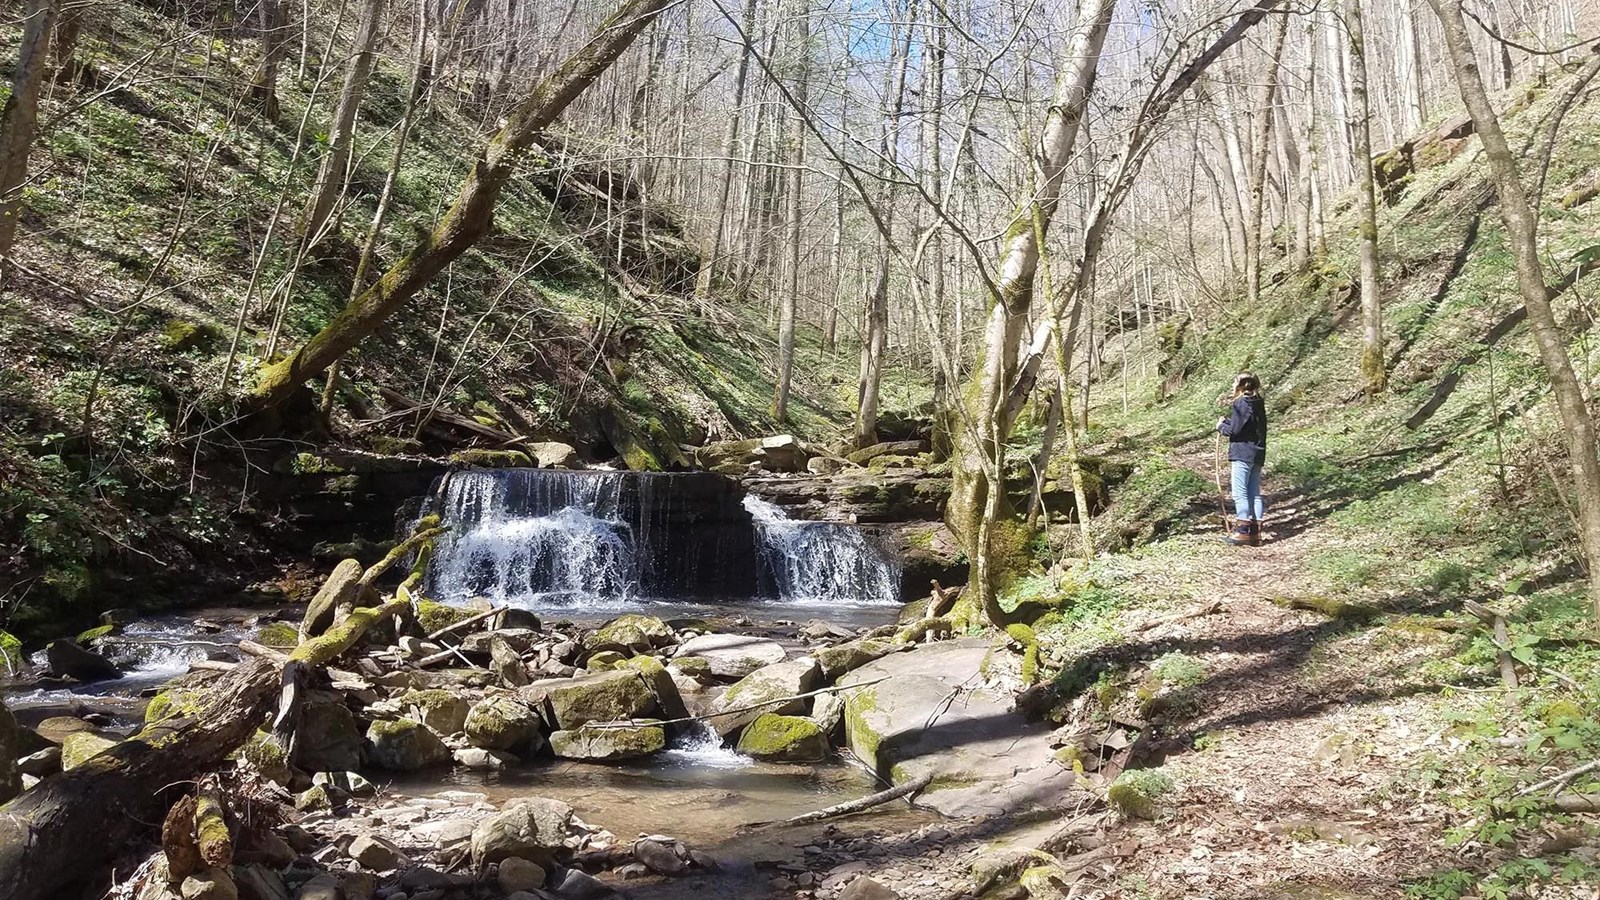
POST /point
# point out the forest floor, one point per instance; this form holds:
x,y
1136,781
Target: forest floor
x,y
1296,771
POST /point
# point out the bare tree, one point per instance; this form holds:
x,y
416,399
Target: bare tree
x,y
333,170
1374,373
1260,147
19,119
470,217
1522,234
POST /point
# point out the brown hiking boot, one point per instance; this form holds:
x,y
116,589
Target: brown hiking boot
x,y
1256,532
1244,534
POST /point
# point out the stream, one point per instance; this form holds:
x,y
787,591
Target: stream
x,y
583,547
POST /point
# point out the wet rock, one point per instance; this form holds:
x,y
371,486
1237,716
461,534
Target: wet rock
x,y
778,738
483,760
323,886
732,655
212,884
38,764
341,588
376,854
506,662
79,747
663,857
11,769
632,631
554,455
518,874
327,738
607,743
480,458
827,710
836,661
56,728
502,723
358,885
404,745
443,711
576,884
534,829
258,882
68,660
348,782
865,888
767,690
597,697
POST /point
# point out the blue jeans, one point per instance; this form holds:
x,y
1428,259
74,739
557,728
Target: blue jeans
x,y
1247,491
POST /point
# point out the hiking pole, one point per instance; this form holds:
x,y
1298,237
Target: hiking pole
x,y
1222,497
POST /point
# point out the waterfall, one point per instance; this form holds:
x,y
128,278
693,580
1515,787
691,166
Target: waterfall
x,y
822,562
540,539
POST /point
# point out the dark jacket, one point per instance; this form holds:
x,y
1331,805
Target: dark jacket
x,y
1246,428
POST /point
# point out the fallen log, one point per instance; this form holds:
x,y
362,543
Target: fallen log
x,y
69,827
853,806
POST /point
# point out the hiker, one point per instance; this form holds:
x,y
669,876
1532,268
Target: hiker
x,y
1246,428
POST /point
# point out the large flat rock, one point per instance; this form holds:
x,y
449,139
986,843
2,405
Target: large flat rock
x,y
935,714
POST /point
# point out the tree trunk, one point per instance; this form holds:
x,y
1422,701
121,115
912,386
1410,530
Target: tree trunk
x,y
978,504
68,29
472,214
1374,377
264,85
1522,235
331,174
1260,147
788,298
876,339
19,119
730,147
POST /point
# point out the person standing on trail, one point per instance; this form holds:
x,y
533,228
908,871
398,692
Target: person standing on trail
x,y
1245,426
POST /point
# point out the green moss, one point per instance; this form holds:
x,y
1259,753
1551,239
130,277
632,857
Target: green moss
x,y
788,738
266,756
1136,791
1024,635
279,635
1332,607
181,334
863,739
491,459
88,637
174,703
1178,669
433,615
11,655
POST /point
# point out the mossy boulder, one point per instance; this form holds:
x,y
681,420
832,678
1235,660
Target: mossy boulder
x,y
491,459
1136,792
772,689
81,746
732,655
784,739
604,661
278,635
70,660
181,334
608,743
267,757
596,697
633,632
404,745
89,636
313,799
836,661
174,703
442,710
433,615
669,702
500,722
327,738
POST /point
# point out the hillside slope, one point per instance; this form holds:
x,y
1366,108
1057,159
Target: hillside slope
x,y
154,195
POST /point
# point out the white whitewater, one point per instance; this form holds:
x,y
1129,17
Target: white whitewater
x,y
821,562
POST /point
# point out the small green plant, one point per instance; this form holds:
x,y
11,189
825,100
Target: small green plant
x,y
1136,792
1178,670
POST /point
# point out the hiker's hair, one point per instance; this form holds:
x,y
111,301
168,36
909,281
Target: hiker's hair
x,y
1246,384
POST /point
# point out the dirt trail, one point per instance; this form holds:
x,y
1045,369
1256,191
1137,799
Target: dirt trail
x,y
1284,774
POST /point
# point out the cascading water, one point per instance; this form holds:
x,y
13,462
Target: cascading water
x,y
540,539
821,562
